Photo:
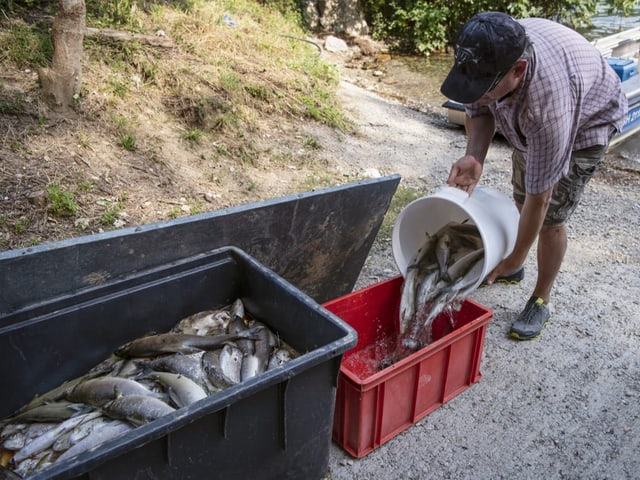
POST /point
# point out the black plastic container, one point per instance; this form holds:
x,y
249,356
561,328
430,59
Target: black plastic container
x,y
317,241
274,426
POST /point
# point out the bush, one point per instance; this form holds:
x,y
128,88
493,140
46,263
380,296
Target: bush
x,y
426,26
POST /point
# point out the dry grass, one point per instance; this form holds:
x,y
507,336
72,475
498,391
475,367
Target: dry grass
x,y
164,132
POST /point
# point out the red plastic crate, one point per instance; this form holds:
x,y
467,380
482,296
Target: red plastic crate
x,y
372,405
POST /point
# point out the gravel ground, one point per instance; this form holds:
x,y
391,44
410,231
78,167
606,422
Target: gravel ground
x,y
566,405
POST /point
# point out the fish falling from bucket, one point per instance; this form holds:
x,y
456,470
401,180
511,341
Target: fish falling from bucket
x,y
443,269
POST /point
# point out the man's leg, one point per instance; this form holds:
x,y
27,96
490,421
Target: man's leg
x,y
552,239
552,245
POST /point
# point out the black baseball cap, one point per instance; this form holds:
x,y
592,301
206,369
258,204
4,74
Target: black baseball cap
x,y
487,46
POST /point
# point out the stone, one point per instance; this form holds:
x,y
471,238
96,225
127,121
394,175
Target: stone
x,y
335,44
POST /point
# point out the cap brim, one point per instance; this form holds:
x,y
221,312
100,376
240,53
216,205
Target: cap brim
x,y
461,88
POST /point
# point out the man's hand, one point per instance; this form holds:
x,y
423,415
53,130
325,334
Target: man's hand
x,y
504,268
465,173
532,215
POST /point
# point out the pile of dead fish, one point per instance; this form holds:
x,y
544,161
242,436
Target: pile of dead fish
x,y
143,380
438,277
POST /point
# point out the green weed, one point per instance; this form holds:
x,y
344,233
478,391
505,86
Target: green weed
x,y
312,143
20,225
222,150
193,135
127,141
119,88
110,215
85,185
258,91
320,108
195,206
61,201
231,82
120,122
174,213
226,121
84,140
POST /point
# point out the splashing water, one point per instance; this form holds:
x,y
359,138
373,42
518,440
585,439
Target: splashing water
x,y
366,361
438,321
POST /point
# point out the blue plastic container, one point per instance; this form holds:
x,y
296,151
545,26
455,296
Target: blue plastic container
x,y
624,67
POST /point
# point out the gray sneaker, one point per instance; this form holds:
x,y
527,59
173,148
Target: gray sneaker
x,y
532,320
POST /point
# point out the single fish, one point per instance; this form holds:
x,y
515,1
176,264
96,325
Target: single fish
x,y
99,435
442,253
109,366
137,409
264,344
237,310
236,327
408,297
207,322
231,363
279,358
189,365
223,367
127,369
182,390
15,441
50,412
177,343
465,264
56,393
98,391
427,284
458,229
70,438
466,237
250,366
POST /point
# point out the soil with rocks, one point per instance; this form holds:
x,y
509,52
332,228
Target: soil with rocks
x,y
563,406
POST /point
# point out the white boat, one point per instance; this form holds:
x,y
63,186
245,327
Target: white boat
x,y
623,44
616,48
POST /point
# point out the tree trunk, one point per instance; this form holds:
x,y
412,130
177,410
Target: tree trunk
x,y
62,81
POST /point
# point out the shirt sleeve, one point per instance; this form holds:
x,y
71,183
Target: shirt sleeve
x,y
476,110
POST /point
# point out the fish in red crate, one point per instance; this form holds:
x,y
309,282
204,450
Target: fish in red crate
x,y
438,278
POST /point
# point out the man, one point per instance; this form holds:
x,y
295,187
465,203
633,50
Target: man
x,y
557,102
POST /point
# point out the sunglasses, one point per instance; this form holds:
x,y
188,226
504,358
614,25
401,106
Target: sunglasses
x,y
499,78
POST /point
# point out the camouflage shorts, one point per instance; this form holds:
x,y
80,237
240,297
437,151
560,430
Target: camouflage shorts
x,y
567,192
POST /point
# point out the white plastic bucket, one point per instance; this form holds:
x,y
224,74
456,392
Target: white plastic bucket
x,y
493,213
